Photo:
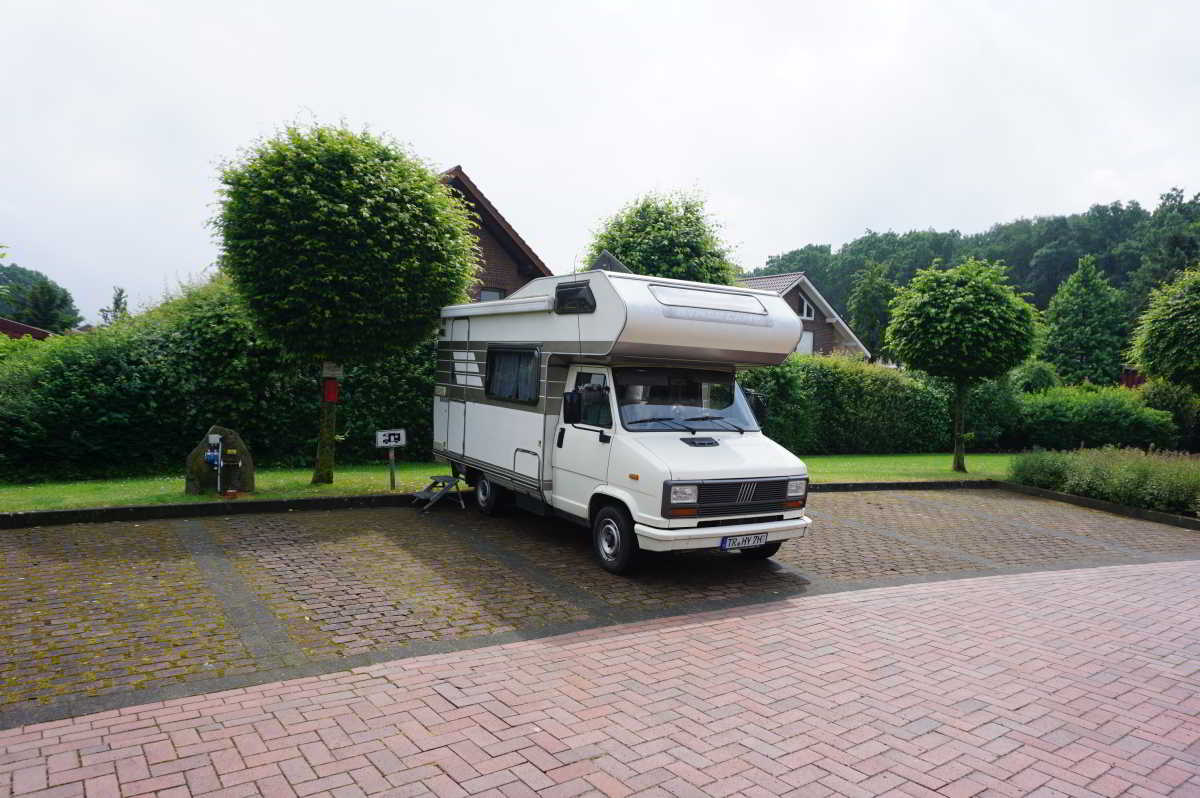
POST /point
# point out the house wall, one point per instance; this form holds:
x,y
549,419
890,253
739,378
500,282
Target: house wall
x,y
499,270
824,333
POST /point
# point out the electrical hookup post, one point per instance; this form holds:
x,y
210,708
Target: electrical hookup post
x,y
390,439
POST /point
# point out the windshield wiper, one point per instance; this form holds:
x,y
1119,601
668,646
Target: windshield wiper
x,y
665,419
718,418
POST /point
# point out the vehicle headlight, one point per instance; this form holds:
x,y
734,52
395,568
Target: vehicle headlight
x,y
684,494
797,488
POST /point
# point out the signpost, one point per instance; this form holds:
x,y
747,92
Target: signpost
x,y
390,439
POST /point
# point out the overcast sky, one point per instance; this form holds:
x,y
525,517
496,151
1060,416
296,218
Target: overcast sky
x,y
801,122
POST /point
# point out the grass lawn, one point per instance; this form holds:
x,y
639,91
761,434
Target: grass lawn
x,y
903,467
291,483
281,483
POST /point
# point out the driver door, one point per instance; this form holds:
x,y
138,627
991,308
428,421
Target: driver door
x,y
581,450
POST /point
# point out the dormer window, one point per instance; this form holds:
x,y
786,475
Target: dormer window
x,y
806,309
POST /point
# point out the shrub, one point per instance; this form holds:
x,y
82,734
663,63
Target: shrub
x,y
1070,417
136,396
840,405
1178,400
1166,481
1034,376
1041,469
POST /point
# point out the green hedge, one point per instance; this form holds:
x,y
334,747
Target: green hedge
x,y
135,397
1085,416
1164,481
838,405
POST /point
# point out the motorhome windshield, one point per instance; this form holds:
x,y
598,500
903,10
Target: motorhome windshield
x,y
684,400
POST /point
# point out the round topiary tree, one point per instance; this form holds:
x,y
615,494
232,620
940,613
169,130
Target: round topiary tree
x,y
345,247
1166,342
965,324
666,235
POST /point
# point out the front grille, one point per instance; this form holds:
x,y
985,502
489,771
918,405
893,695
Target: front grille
x,y
760,519
740,497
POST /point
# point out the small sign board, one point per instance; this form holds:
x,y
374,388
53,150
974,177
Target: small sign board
x,y
332,371
389,438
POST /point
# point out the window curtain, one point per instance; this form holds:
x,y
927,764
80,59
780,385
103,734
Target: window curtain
x,y
513,375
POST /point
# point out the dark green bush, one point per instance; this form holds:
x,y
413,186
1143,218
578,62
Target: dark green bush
x,y
839,405
135,397
1034,376
1181,402
1083,416
1167,481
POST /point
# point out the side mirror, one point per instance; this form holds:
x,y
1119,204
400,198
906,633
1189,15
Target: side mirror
x,y
572,407
758,405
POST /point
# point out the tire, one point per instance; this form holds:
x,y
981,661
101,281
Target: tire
x,y
489,497
762,552
614,541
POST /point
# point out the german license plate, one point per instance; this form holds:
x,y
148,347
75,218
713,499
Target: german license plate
x,y
744,541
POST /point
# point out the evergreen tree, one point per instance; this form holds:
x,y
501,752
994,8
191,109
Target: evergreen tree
x,y
1086,328
869,313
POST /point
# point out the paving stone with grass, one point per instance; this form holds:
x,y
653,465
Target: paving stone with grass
x,y
98,616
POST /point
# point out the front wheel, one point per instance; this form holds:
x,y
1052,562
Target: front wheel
x,y
614,541
762,552
488,495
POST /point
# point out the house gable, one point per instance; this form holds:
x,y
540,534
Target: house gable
x,y
507,262
829,332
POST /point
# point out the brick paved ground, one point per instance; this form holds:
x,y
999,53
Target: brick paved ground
x,y
1075,683
95,617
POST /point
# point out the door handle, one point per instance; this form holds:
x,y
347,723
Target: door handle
x,y
561,431
605,437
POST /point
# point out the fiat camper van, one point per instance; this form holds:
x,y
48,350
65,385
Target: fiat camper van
x,y
611,399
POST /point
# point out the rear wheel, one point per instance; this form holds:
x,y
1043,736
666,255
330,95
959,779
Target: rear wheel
x,y
614,540
489,496
762,552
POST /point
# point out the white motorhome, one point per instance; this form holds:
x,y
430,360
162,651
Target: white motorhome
x,y
609,399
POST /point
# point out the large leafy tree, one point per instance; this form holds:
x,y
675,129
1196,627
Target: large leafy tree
x,y
344,245
1086,327
965,324
15,285
869,307
1166,342
666,235
1167,243
47,305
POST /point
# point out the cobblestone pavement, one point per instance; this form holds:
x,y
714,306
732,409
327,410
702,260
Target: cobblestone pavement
x,y
103,616
1069,683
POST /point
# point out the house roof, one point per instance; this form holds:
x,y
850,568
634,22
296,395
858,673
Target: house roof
x,y
784,284
779,283
16,329
495,222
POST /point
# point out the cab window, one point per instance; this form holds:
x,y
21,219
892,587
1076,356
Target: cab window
x,y
595,409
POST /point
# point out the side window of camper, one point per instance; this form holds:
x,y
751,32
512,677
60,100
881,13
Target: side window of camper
x,y
596,409
512,375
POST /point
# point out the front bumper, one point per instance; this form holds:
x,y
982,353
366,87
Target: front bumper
x,y
652,538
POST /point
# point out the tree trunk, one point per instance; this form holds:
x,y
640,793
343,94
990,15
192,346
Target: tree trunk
x,y
323,473
959,409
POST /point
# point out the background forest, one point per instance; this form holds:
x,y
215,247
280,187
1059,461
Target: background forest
x,y
1136,249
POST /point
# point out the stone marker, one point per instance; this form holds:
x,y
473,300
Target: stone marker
x,y
202,477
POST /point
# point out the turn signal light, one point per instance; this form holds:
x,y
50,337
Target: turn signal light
x,y
683,511
794,505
